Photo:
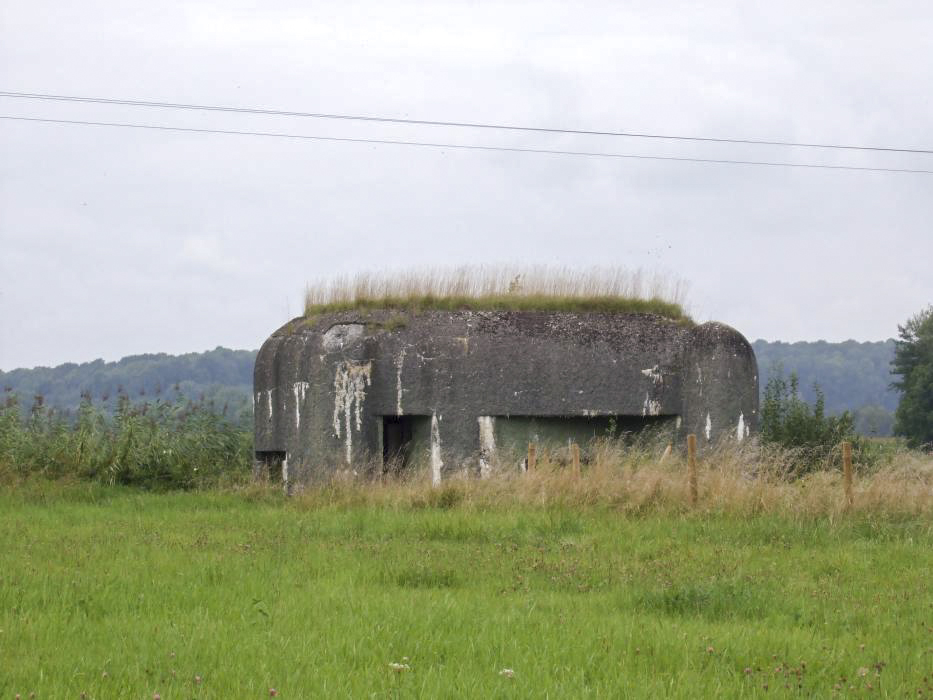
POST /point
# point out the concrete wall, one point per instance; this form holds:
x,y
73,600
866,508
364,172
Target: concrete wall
x,y
322,385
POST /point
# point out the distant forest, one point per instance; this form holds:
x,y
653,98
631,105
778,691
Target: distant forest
x,y
221,377
853,376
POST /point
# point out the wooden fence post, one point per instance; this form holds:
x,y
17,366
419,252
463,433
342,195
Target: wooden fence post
x,y
575,459
847,471
532,457
692,467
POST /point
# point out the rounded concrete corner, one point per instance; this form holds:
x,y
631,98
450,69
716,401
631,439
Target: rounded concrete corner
x,y
721,387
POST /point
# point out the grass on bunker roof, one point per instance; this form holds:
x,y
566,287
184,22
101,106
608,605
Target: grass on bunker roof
x,y
505,288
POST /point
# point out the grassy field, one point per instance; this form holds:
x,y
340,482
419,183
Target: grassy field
x,y
107,592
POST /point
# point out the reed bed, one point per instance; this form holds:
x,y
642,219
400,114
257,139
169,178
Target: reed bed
x,y
171,443
539,287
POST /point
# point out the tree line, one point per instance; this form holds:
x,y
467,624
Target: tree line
x,y
851,376
221,379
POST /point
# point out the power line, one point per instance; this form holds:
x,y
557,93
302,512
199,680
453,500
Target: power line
x,y
469,125
468,147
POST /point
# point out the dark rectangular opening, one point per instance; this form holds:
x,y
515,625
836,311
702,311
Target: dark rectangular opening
x,y
514,433
630,426
270,464
403,439
579,429
554,435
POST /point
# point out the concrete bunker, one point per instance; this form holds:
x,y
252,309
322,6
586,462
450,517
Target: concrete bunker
x,y
370,392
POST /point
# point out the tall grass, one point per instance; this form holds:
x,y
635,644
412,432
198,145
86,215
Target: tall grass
x,y
740,480
502,288
179,444
165,444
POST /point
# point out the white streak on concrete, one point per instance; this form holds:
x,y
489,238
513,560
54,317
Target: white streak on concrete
x,y
487,444
679,421
436,464
700,378
654,374
709,427
590,412
285,472
740,429
652,407
350,384
258,401
399,361
299,389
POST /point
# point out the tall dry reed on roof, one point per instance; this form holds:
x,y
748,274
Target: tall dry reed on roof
x,y
503,287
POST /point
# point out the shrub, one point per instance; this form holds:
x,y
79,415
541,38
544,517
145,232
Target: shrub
x,y
788,421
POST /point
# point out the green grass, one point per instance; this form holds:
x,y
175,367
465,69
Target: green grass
x,y
116,593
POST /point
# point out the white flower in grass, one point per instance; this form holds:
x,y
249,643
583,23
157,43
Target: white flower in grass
x,y
507,672
398,668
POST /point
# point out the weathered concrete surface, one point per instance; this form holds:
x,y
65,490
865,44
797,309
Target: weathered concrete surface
x,y
469,379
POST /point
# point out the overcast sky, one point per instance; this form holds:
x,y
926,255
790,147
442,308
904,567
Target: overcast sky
x,y
119,241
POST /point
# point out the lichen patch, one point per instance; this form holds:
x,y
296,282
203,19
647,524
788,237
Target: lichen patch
x,y
654,374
